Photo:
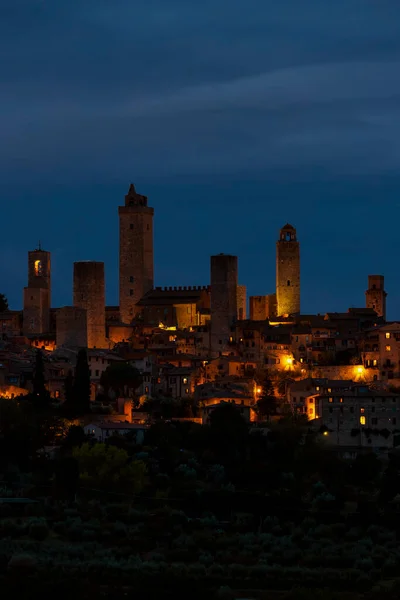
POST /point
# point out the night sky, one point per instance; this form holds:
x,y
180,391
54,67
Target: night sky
x,y
234,117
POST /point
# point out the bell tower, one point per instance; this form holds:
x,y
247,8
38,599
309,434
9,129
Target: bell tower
x,y
37,295
288,272
136,261
376,295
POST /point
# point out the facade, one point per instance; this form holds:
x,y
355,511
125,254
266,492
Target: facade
x,y
262,307
358,417
136,261
376,295
37,294
102,431
241,302
179,307
71,327
89,294
224,294
288,272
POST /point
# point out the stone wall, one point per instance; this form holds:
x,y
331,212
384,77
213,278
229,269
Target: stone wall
x,y
224,284
288,272
242,302
136,261
71,327
89,294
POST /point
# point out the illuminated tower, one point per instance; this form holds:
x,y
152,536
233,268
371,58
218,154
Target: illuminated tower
x,y
376,295
224,301
89,294
136,262
37,295
288,272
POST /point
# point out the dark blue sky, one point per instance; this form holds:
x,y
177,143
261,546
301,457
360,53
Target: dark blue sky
x,y
233,117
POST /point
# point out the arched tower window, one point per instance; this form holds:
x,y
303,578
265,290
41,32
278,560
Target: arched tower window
x,y
38,268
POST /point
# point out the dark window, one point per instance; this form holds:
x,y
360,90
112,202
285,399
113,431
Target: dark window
x,y
288,282
131,292
131,279
131,226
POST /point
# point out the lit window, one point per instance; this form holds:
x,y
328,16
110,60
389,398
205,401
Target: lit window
x,y
341,400
387,335
38,268
362,410
185,380
317,388
187,391
387,348
329,390
362,421
375,362
146,390
330,399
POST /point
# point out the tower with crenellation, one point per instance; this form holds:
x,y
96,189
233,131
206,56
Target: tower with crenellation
x,y
287,272
136,260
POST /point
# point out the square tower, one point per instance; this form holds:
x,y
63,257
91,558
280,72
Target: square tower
x,y
287,272
89,295
37,295
376,295
224,301
136,260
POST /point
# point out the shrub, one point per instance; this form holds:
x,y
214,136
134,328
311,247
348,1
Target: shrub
x,y
38,530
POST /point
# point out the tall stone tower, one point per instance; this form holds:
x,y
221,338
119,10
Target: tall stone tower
x,y
287,272
37,295
224,301
136,261
376,295
89,294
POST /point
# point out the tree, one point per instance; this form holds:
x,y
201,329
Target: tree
x,y
267,403
107,467
81,387
229,430
40,395
3,303
121,378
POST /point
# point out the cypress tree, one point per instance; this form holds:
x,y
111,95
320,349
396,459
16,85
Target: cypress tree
x,y
267,403
81,385
40,395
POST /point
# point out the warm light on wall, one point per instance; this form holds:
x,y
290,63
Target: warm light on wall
x,y
259,390
289,361
360,370
326,433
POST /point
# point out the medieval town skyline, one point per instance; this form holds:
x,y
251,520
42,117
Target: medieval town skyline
x,y
66,299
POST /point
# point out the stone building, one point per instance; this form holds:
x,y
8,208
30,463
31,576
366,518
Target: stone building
x,y
376,295
136,262
288,272
224,294
180,307
89,294
359,417
262,307
71,327
37,295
